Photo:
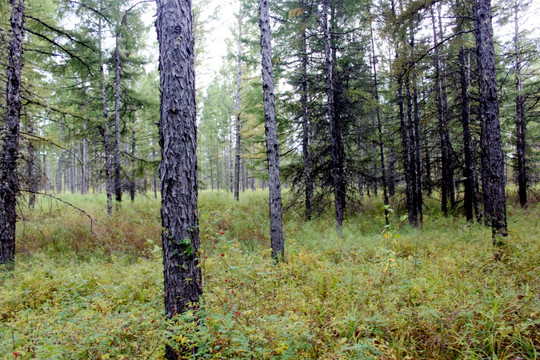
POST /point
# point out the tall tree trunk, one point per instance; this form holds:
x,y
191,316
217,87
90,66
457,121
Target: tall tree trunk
x,y
133,170
105,112
468,167
237,108
154,180
117,159
272,143
32,181
73,171
491,133
308,178
337,163
84,172
60,172
521,125
211,162
379,127
178,167
9,182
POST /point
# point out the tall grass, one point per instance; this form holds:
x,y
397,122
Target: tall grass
x,y
373,293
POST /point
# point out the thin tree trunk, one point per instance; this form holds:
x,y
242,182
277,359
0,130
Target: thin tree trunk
x,y
308,178
133,170
84,173
468,169
178,167
379,127
337,165
32,181
237,108
9,182
493,174
117,159
272,143
154,180
211,162
59,180
521,125
72,171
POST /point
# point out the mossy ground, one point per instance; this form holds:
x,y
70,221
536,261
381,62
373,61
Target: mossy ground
x,y
81,292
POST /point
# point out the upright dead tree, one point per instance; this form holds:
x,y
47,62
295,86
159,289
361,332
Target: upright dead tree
x,y
9,182
270,126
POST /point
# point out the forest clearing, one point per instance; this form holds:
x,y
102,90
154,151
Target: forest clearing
x,y
435,293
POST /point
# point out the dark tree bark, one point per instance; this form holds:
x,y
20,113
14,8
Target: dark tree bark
x,y
379,128
521,127
493,172
308,178
105,113
9,182
32,180
272,144
60,170
237,108
132,186
444,133
117,159
337,143
84,171
471,199
178,167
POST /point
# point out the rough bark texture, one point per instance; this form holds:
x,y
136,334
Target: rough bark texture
x,y
521,127
272,144
493,171
468,167
117,165
379,128
32,180
337,143
237,108
9,182
105,113
178,167
308,178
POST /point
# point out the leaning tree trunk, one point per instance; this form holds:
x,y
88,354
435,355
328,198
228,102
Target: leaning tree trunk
x,y
521,127
493,171
337,165
270,126
9,182
178,167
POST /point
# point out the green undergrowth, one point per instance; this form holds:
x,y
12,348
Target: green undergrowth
x,y
95,292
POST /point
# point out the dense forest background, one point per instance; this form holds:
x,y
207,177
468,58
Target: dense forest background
x,y
372,120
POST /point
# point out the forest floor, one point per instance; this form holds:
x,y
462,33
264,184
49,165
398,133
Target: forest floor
x,y
95,292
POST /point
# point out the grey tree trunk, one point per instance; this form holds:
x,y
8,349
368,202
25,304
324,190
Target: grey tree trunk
x,y
133,170
105,113
211,163
470,199
521,125
9,182
84,171
32,180
237,108
73,171
60,173
337,163
272,144
493,172
379,128
308,178
117,159
178,167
